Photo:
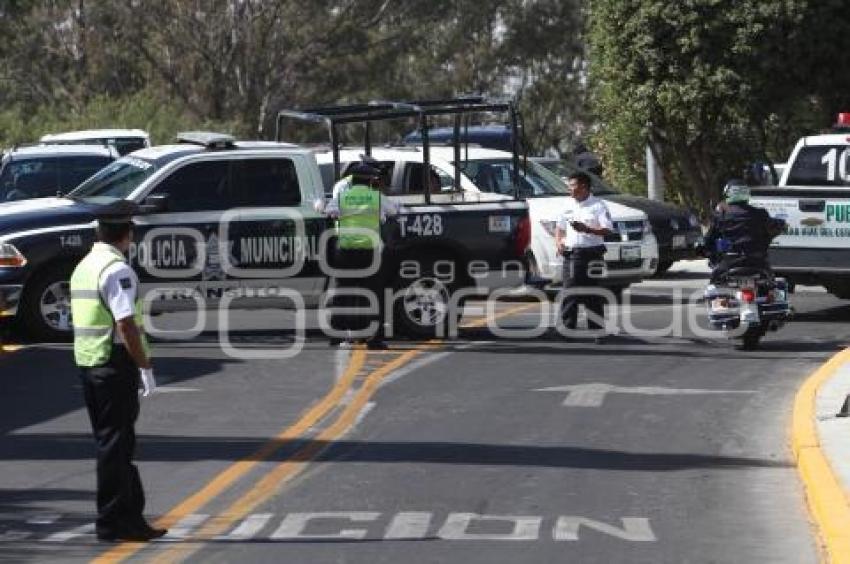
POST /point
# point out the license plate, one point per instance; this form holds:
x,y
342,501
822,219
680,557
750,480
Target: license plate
x,y
679,241
630,253
500,224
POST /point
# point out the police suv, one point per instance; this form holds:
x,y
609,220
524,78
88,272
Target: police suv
x,y
233,222
813,197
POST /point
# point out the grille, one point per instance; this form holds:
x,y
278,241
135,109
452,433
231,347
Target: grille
x,y
626,231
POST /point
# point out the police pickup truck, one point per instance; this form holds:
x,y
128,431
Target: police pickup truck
x,y
813,197
233,222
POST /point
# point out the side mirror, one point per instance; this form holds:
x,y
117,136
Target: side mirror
x,y
155,203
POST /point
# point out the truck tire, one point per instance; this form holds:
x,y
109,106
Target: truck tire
x,y
840,290
422,309
750,340
663,267
46,305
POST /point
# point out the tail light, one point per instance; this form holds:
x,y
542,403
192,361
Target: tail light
x,y
523,236
748,295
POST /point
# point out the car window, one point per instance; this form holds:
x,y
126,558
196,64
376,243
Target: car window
x,y
265,182
412,181
30,178
202,186
327,172
116,180
820,165
74,170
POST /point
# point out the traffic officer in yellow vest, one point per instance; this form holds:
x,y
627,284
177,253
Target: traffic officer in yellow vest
x,y
112,352
360,208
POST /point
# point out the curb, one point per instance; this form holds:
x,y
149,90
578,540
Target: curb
x,y
828,503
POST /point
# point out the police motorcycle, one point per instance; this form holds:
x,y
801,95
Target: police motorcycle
x,y
745,302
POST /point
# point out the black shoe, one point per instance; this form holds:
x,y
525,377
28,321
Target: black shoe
x,y
376,345
137,534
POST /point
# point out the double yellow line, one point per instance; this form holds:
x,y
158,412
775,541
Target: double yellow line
x,y
270,484
828,503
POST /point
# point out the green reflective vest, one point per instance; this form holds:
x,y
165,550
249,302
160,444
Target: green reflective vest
x,y
93,323
359,216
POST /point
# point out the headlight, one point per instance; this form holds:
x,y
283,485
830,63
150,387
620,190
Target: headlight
x,y
549,226
694,221
11,256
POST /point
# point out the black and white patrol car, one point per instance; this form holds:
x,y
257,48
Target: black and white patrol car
x,y
233,222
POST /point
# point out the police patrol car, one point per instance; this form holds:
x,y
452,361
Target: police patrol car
x,y
485,176
813,197
233,222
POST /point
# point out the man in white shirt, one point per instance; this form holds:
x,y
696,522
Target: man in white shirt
x,y
580,238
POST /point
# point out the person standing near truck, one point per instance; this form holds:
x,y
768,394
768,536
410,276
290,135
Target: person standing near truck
x,y
360,208
112,353
580,238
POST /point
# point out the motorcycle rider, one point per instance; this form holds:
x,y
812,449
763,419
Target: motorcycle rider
x,y
740,234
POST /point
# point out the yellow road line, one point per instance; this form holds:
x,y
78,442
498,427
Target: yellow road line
x,y
288,467
271,483
231,474
828,503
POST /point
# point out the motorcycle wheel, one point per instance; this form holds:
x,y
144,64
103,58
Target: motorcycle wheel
x,y
750,340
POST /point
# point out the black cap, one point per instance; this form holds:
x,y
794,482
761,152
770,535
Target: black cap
x,y
119,211
362,170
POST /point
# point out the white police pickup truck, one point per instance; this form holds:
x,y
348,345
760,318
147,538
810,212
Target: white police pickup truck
x,y
485,176
233,222
813,197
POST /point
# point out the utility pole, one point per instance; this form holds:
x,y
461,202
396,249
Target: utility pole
x,y
654,179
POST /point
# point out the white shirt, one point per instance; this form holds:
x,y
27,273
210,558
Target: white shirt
x,y
592,212
118,285
388,207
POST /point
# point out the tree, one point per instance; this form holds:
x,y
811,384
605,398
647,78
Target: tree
x,y
708,84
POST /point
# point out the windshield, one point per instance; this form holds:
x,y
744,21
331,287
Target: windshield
x,y
117,181
563,169
494,175
820,165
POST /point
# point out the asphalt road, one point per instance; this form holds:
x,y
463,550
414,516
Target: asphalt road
x,y
484,449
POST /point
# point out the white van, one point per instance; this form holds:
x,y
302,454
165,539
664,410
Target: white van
x,y
632,251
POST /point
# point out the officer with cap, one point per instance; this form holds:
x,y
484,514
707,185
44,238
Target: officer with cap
x,y
360,209
114,359
740,234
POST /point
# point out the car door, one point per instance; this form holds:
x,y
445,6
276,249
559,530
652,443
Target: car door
x,y
177,251
278,238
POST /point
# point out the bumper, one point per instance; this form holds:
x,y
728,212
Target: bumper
x,y
810,260
680,246
621,270
10,297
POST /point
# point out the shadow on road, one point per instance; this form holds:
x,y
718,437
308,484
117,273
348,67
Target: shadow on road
x,y
186,449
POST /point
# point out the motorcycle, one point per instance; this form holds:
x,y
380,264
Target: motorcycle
x,y
746,303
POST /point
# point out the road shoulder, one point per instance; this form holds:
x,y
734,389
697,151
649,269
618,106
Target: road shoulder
x,y
821,444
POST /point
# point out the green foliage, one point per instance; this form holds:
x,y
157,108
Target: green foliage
x,y
144,110
709,84
165,65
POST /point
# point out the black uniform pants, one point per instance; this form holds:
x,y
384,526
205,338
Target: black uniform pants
x,y
352,259
112,398
576,276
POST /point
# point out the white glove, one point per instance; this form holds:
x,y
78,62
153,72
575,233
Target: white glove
x,y
148,382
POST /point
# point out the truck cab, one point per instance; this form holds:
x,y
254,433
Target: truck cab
x,y
813,197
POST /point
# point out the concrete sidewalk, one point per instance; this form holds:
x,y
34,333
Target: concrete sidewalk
x,y
821,443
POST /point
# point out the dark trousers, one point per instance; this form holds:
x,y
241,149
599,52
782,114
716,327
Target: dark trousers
x,y
351,259
730,261
112,398
576,276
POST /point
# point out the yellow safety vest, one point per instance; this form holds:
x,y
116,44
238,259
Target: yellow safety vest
x,y
93,323
359,215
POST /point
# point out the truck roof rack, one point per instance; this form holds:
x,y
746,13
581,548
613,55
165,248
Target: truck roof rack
x,y
382,110
207,139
